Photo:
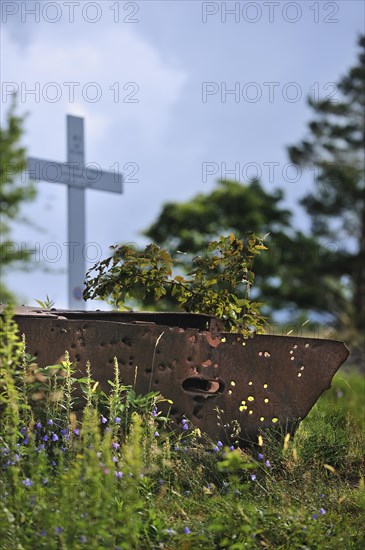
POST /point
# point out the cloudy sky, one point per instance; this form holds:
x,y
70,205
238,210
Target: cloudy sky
x,y
176,94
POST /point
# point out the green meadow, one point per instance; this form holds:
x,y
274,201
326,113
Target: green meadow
x,y
117,476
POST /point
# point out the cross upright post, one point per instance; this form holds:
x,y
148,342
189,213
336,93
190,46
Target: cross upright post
x,y
78,177
76,213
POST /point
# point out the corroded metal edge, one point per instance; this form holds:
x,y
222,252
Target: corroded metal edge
x,y
219,381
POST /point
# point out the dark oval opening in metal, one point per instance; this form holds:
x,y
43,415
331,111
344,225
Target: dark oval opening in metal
x,y
195,384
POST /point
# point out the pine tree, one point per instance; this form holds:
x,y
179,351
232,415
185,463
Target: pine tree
x,y
335,145
12,194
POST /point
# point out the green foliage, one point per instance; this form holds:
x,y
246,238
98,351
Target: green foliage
x,y
292,276
335,146
13,194
76,480
10,358
218,284
48,303
231,206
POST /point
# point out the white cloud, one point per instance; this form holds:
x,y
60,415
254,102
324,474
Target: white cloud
x,y
115,79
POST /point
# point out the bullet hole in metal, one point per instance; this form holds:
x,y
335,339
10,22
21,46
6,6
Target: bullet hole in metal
x,y
195,384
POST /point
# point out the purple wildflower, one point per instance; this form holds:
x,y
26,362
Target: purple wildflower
x,y
117,419
54,437
38,425
215,448
231,448
50,422
114,459
322,511
267,464
119,474
76,431
156,434
219,444
104,420
154,412
253,477
115,445
27,482
83,539
45,437
187,530
260,456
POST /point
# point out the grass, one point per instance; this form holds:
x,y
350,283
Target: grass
x,y
116,477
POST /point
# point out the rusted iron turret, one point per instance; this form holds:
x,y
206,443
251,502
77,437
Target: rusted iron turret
x,y
256,383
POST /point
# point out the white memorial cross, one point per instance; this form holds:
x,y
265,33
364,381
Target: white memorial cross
x,y
78,177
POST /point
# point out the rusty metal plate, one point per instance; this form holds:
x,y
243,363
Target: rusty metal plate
x,y
255,383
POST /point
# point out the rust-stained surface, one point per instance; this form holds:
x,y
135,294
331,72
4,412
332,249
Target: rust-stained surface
x,y
259,382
